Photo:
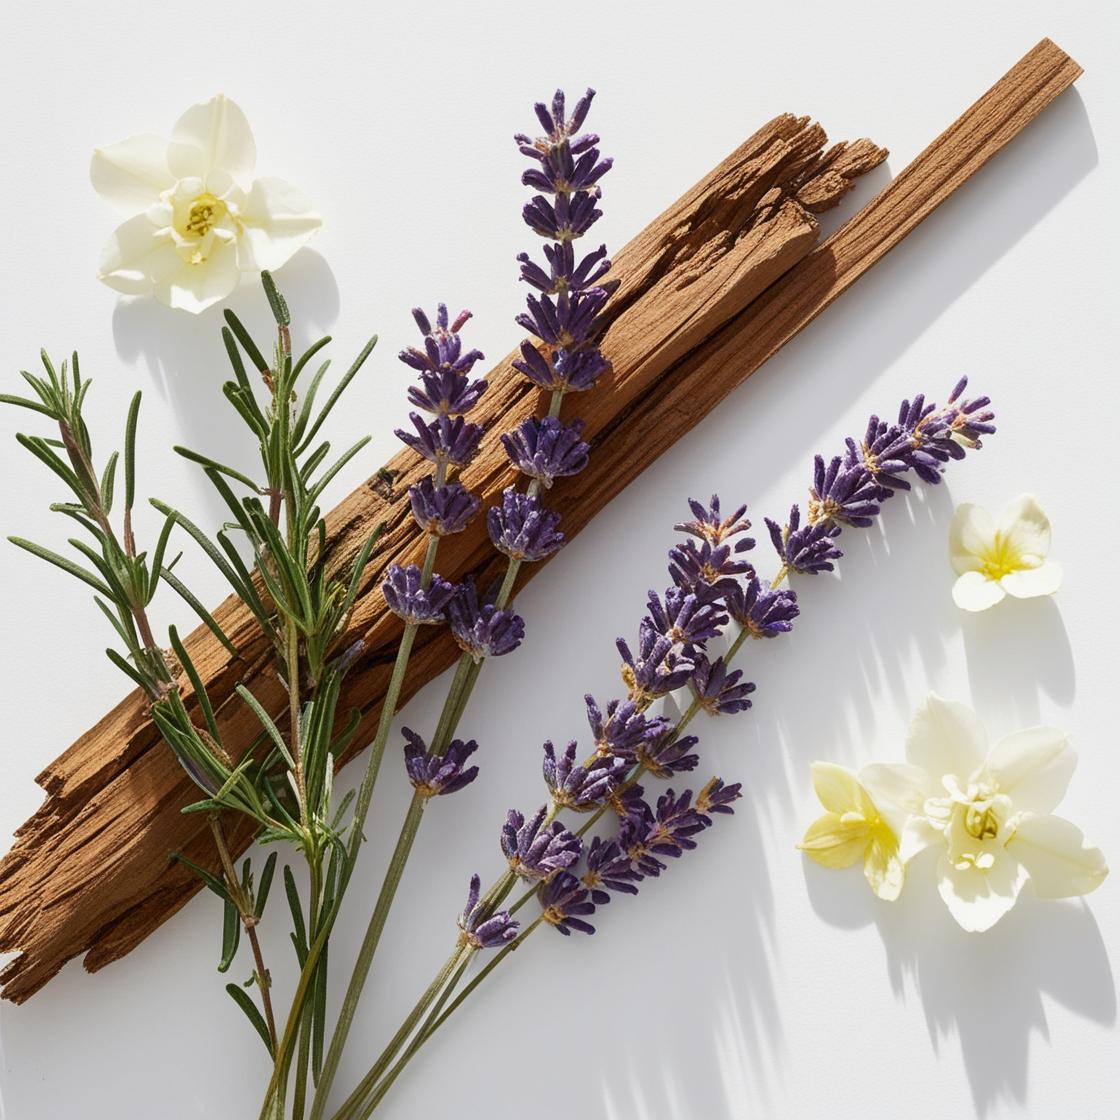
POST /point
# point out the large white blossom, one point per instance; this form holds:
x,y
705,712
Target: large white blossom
x,y
994,558
196,217
989,813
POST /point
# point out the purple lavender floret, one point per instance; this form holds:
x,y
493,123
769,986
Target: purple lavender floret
x,y
668,756
523,528
564,274
442,510
447,393
560,172
558,127
842,495
566,372
940,434
708,570
569,217
546,449
710,525
482,630
884,453
406,598
684,619
578,787
450,440
656,669
566,321
761,612
623,729
480,929
433,775
809,548
648,834
443,365
565,903
535,850
608,867
716,797
718,690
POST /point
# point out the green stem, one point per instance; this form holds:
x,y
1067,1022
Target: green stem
x,y
299,1096
361,809
456,963
436,1018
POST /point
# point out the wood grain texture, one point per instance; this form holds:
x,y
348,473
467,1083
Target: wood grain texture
x,y
89,872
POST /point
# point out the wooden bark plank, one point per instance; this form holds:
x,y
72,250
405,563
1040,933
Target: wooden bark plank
x,y
91,869
701,376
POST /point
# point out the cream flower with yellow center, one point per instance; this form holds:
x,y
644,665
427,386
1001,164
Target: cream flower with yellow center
x,y
197,217
1005,557
988,813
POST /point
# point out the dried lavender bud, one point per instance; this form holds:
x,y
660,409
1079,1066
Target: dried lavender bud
x,y
442,510
657,669
433,774
684,619
715,797
648,834
566,902
809,549
608,867
668,756
443,366
535,850
578,787
762,613
566,321
564,275
708,571
624,729
717,690
546,449
710,526
481,930
449,440
523,528
842,495
406,598
482,630
560,172
884,453
569,217
566,372
557,127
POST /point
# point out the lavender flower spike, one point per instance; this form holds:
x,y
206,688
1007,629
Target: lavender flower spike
x,y
445,388
433,775
566,902
481,930
523,528
406,598
546,449
536,851
483,630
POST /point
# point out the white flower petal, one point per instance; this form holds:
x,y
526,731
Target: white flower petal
x,y
135,256
132,174
978,899
970,534
975,592
1027,583
195,287
899,790
1033,767
277,221
1061,863
917,835
883,870
1025,527
213,135
945,737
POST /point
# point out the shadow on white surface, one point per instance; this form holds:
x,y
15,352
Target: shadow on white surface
x,y
987,989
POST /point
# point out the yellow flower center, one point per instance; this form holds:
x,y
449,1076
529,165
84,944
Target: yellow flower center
x,y
205,212
980,820
1000,559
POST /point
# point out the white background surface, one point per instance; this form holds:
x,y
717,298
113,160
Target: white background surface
x,y
746,982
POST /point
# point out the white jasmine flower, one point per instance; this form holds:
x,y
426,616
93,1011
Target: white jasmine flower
x,y
1005,557
197,218
853,829
989,813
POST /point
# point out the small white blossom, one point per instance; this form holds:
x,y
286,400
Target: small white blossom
x,y
1005,557
197,218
